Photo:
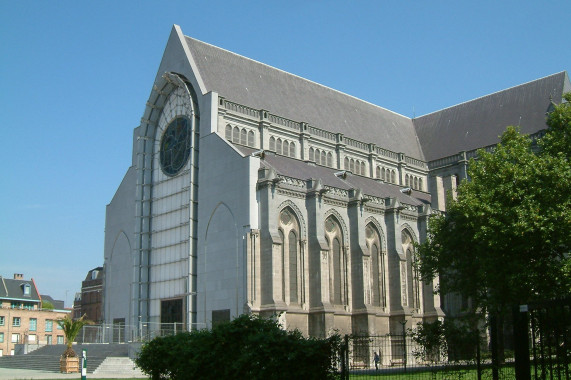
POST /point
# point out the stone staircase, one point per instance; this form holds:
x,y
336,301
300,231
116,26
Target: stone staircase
x,y
106,358
114,365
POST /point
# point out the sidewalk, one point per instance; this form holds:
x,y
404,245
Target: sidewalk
x,y
25,374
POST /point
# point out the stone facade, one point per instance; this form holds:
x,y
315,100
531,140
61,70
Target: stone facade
x,y
256,191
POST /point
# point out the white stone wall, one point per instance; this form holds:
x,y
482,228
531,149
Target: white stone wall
x,y
227,211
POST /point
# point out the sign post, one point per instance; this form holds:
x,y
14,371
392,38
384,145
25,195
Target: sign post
x,y
84,364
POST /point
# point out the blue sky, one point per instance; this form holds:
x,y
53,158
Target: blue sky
x,y
75,77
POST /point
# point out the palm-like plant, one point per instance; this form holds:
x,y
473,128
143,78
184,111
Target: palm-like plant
x,y
70,329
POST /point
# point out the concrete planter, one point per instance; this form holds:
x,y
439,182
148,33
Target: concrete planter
x,y
69,365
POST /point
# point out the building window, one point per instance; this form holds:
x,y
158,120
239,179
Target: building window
x,y
291,256
273,144
48,339
329,159
228,133
292,150
15,338
1,320
1,337
29,306
251,137
378,283
27,289
411,278
15,305
58,326
16,322
33,324
243,137
32,338
60,339
337,262
49,325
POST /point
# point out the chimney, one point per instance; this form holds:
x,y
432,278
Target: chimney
x,y
18,276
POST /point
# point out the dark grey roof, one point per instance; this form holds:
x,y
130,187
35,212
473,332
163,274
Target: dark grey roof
x,y
480,122
14,289
58,304
298,169
260,86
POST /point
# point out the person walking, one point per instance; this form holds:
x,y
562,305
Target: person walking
x,y
376,359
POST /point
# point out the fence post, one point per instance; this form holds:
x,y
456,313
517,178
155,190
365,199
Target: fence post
x,y
521,342
494,345
404,358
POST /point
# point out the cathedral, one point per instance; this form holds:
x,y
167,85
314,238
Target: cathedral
x,y
252,190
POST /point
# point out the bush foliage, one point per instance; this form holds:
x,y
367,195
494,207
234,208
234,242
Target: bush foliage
x,y
249,347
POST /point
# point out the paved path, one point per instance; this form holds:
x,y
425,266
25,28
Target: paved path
x,y
25,374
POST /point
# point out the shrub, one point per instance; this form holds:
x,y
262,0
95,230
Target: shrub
x,y
249,347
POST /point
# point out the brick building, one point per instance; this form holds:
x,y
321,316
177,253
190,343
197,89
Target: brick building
x,y
22,319
89,302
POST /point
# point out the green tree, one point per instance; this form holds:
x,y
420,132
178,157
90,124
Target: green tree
x,y
70,329
506,239
249,347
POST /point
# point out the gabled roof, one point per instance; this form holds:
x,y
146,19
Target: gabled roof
x,y
14,290
254,84
480,122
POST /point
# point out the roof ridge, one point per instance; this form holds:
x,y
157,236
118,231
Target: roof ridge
x,y
300,77
491,94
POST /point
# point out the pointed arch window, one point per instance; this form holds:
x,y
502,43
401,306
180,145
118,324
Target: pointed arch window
x,y
273,144
243,137
251,139
236,135
292,150
311,154
329,159
279,146
337,262
228,134
377,284
411,278
292,263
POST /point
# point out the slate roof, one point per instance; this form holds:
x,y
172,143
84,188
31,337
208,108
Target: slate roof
x,y
254,84
466,126
291,167
480,122
14,289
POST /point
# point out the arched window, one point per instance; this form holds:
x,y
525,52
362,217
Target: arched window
x,y
337,262
415,185
420,184
393,177
279,146
292,150
383,174
236,135
292,274
378,172
363,169
411,278
323,158
346,164
243,137
377,284
352,166
251,138
329,159
317,156
228,132
272,144
283,264
293,266
311,154
406,180
285,148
